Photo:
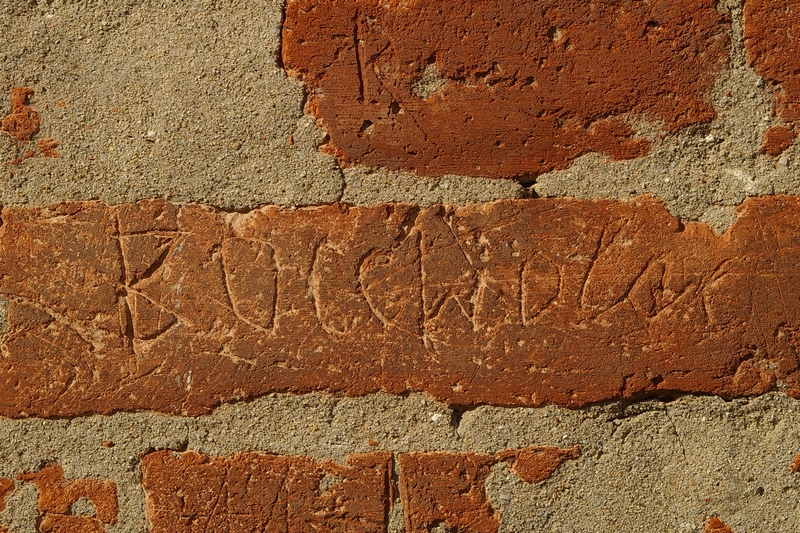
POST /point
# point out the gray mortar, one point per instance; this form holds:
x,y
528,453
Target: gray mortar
x,y
179,99
699,168
371,186
650,466
429,83
169,98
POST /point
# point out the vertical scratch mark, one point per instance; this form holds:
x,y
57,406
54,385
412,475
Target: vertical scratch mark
x,y
126,317
363,289
426,341
592,261
234,308
273,324
357,48
313,283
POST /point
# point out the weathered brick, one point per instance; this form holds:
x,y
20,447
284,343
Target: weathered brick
x,y
523,302
23,122
57,496
6,488
250,492
449,488
501,89
777,140
715,525
771,29
189,492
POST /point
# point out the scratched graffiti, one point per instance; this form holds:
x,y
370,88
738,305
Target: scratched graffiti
x,y
176,309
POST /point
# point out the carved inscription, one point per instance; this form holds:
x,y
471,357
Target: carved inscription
x,y
524,302
187,492
260,492
500,89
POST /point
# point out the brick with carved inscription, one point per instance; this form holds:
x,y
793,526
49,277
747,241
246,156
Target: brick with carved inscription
x,y
501,89
261,492
517,302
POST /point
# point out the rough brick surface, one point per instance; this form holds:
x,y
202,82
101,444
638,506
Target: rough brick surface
x,y
189,492
777,140
57,496
500,89
772,34
151,306
715,525
6,487
449,489
251,492
23,122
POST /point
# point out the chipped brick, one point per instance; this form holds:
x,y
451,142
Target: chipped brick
x,y
449,488
259,492
47,147
23,157
777,140
715,525
23,122
518,302
537,463
771,29
6,488
501,89
57,495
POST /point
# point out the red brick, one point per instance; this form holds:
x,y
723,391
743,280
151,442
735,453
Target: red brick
x,y
57,495
777,140
518,302
23,122
537,463
6,488
249,492
47,147
449,488
529,87
796,463
772,35
715,525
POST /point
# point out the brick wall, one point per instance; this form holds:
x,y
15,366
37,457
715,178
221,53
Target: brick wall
x,y
360,266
